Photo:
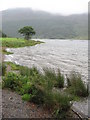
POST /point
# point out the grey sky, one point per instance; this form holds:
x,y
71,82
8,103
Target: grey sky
x,y
54,6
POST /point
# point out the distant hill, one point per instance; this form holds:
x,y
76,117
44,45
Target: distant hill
x,y
45,24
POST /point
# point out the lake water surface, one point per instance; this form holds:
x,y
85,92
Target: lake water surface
x,y
67,55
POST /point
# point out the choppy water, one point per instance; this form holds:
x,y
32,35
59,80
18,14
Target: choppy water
x,y
67,55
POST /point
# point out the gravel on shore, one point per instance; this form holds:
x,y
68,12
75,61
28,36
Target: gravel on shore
x,y
14,107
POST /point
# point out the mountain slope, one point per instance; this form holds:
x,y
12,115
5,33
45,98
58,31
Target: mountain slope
x,y
45,24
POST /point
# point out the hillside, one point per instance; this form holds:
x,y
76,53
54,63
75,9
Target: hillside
x,y
45,24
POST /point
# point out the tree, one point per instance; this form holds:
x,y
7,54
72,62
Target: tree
x,y
2,34
27,32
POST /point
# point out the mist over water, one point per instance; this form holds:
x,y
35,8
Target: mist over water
x,y
67,55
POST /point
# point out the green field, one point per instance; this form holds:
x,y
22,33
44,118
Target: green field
x,y
17,42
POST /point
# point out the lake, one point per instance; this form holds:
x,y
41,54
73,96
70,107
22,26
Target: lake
x,y
67,55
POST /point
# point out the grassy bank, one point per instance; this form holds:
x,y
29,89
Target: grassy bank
x,y
42,88
17,42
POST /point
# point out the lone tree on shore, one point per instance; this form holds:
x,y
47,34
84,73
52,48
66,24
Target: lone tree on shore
x,y
27,32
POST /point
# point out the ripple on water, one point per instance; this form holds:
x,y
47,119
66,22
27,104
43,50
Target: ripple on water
x,y
64,54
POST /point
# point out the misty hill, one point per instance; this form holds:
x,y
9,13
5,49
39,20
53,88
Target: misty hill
x,y
45,24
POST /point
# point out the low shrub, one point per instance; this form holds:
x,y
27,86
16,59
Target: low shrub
x,y
26,97
11,81
37,95
14,81
25,89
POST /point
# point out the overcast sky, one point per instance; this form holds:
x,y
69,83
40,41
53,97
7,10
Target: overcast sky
x,y
64,7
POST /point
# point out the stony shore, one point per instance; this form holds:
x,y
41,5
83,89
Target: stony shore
x,y
14,107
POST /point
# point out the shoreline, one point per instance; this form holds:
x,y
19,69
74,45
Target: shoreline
x,y
3,56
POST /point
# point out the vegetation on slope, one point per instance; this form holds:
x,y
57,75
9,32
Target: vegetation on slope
x,y
42,88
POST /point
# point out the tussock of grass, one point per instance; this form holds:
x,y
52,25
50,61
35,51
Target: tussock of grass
x,y
76,85
60,80
57,79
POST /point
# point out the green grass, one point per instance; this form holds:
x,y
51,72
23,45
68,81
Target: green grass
x,y
17,42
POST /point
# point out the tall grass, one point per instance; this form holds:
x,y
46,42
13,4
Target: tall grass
x,y
76,85
60,79
56,78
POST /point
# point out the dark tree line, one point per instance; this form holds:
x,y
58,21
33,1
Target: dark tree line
x,y
2,34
